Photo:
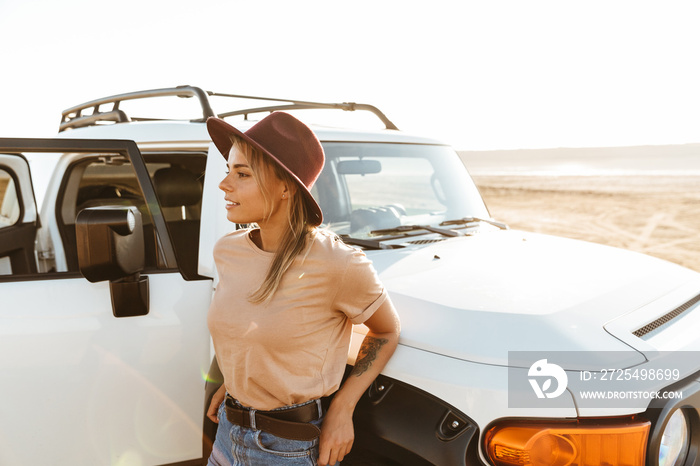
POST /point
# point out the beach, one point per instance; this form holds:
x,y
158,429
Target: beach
x,y
648,211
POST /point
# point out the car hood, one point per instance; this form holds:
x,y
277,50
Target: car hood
x,y
478,297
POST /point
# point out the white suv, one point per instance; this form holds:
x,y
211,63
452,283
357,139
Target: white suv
x,y
105,356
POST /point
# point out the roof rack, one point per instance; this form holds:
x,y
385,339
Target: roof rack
x,y
74,117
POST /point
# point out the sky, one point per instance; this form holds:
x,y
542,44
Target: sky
x,y
480,75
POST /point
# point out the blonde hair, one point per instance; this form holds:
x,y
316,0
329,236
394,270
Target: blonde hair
x,y
294,239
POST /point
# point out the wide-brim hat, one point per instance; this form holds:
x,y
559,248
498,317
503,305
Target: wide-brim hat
x,y
287,142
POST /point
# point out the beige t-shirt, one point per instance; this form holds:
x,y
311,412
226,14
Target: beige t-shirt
x,y
294,347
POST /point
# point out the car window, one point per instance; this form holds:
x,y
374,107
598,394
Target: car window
x,y
9,212
111,181
370,186
401,181
9,202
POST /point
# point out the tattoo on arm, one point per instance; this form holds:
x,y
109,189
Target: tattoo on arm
x,y
367,354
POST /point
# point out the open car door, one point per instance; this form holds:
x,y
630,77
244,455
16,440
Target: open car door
x,y
90,373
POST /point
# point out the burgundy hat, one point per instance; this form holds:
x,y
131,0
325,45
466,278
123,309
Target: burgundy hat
x,y
288,142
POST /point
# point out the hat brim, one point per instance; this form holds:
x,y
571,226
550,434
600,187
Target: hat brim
x,y
221,133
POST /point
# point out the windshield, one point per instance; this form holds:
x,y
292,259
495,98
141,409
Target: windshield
x,y
372,186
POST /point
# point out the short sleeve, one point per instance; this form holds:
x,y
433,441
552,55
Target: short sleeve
x,y
360,293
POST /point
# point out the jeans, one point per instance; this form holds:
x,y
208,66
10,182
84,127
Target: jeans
x,y
242,446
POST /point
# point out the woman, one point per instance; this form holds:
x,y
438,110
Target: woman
x,y
287,297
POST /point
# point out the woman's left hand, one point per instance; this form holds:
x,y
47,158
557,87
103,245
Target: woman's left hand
x,y
337,434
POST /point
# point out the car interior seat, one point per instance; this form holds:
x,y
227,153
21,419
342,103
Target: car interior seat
x,y
180,195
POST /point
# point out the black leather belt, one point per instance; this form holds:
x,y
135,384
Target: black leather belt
x,y
292,423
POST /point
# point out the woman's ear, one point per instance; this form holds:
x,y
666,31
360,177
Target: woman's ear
x,y
288,190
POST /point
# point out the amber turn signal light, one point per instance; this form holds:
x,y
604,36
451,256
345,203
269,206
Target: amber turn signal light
x,y
590,442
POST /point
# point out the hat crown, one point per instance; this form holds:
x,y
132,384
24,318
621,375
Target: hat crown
x,y
292,144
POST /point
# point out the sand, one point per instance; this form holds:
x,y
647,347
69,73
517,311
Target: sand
x,y
655,215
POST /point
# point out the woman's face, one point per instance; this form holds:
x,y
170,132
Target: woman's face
x,y
245,202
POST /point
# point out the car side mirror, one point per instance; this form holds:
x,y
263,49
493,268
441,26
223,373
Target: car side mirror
x,y
111,247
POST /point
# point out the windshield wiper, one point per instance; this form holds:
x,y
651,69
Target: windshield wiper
x,y
365,243
466,220
406,228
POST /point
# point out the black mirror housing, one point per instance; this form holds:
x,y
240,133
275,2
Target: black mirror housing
x,y
110,242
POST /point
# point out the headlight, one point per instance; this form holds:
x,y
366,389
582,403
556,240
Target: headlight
x,y
674,440
583,442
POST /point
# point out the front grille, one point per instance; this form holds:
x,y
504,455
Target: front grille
x,y
665,319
